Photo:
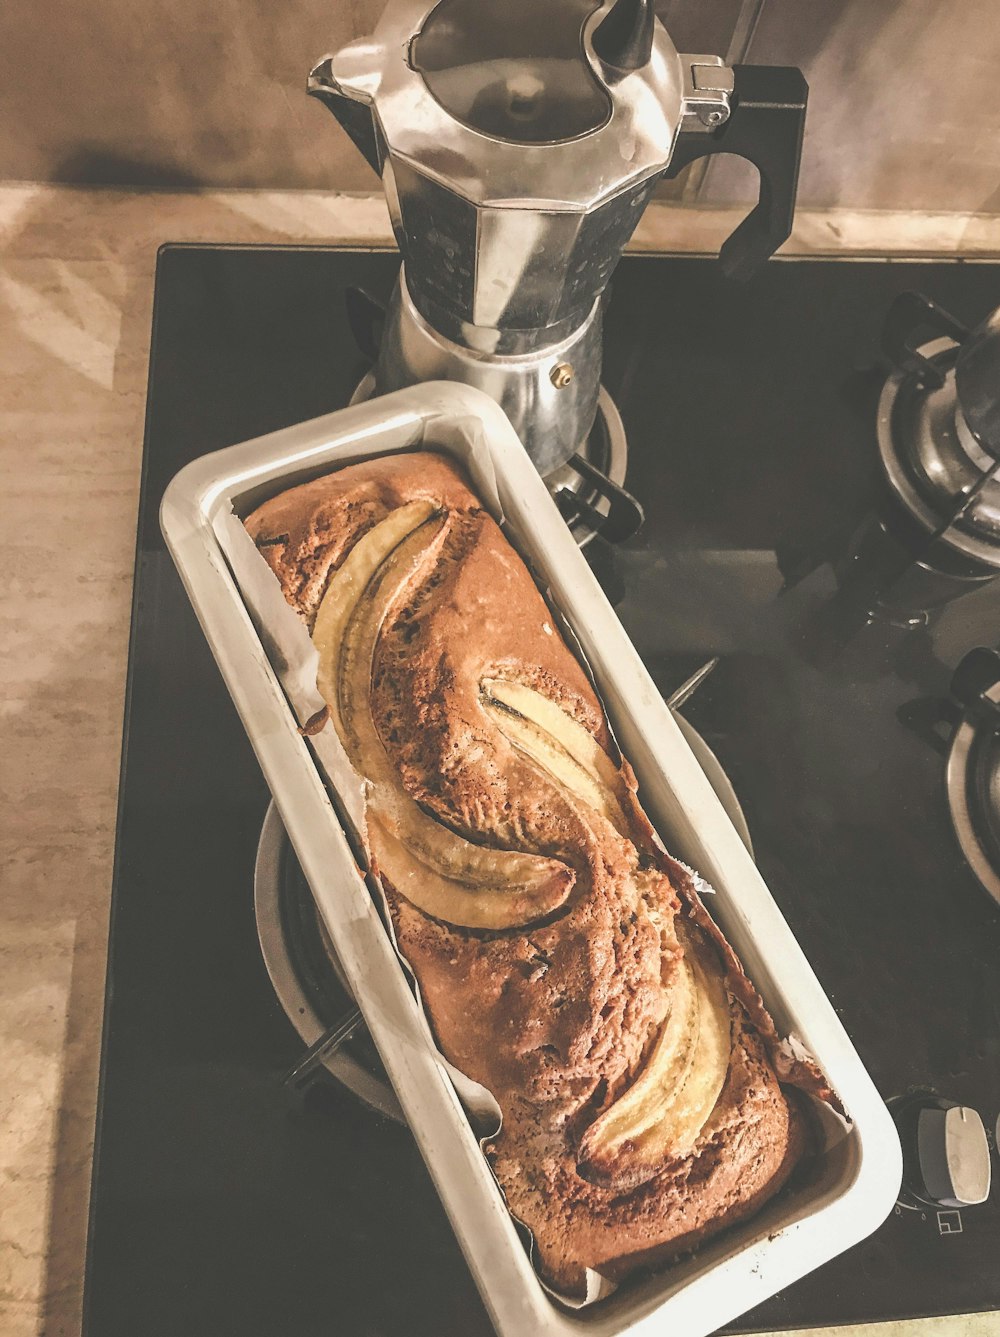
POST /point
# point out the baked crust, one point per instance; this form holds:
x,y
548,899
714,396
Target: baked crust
x,y
555,1018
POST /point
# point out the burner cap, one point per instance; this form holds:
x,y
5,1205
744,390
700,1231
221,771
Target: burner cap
x,y
973,773
934,462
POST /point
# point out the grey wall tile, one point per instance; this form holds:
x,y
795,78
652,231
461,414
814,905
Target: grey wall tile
x,y
186,92
904,111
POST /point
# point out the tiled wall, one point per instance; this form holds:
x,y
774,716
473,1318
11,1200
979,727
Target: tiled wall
x,y
904,100
905,94
174,92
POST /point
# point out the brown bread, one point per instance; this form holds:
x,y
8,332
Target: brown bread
x,y
558,1017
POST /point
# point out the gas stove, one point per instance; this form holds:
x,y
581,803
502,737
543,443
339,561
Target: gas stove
x,y
240,1184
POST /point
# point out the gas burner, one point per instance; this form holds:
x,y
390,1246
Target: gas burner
x,y
589,488
306,975
935,533
973,771
964,728
309,980
935,428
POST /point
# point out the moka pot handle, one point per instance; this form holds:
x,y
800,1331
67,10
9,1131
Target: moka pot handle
x,y
765,126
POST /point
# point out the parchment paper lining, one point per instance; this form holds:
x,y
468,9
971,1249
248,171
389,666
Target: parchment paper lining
x,y
290,651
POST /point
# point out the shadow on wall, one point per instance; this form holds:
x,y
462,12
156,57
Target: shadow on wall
x,y
93,165
164,94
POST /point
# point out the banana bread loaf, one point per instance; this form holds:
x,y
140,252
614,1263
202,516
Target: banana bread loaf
x,y
565,962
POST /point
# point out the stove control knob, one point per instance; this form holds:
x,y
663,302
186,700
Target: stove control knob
x,y
954,1156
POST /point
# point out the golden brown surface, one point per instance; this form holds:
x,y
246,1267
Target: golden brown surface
x,y
559,1016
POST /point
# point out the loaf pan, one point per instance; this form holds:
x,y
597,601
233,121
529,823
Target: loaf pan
x,y
851,1186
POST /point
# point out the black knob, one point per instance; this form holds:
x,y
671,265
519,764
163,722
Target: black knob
x,y
946,1153
624,37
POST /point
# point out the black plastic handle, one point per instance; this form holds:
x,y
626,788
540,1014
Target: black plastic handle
x,y
765,126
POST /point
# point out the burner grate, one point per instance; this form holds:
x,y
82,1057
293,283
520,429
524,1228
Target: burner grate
x,y
939,471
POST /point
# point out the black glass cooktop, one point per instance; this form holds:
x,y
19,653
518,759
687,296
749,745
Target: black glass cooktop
x,y
225,1204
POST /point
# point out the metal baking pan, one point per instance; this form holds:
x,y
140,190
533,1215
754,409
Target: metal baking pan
x,y
852,1185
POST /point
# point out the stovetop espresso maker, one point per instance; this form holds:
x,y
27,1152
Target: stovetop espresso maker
x,y
518,143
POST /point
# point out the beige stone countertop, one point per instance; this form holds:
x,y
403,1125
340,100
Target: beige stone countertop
x,y
76,287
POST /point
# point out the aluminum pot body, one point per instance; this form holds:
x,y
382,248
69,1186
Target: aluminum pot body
x,y
548,390
498,233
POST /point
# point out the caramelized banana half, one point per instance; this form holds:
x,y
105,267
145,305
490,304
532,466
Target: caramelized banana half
x,y
347,586
456,902
563,748
440,872
659,1117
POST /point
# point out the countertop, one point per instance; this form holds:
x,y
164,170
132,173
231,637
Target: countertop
x,y
76,287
